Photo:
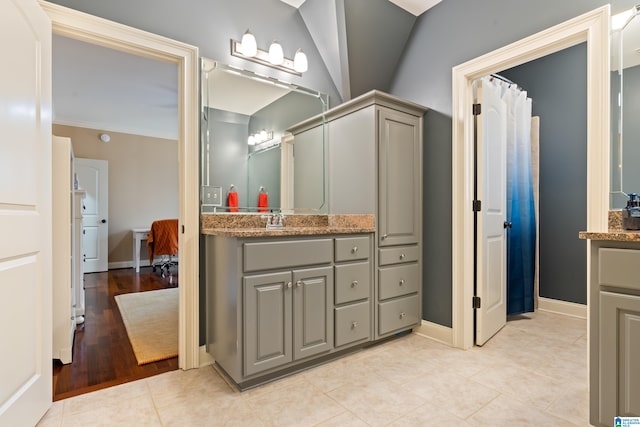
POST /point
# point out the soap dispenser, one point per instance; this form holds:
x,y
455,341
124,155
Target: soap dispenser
x,y
631,213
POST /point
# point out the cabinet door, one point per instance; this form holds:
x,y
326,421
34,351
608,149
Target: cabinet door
x,y
619,356
400,178
267,321
313,311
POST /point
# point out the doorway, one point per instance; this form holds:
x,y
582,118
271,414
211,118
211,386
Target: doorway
x,y
91,29
592,28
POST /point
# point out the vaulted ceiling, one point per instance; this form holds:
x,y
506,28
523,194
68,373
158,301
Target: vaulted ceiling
x,y
360,41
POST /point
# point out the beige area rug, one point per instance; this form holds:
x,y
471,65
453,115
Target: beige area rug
x,y
151,319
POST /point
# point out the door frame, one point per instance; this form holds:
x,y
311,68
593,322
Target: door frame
x,y
592,28
92,29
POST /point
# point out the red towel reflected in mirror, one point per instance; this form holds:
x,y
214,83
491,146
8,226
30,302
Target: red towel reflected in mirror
x,y
232,201
263,202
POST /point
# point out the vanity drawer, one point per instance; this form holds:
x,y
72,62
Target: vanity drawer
x,y
619,267
352,248
352,323
398,280
287,253
398,314
353,282
399,254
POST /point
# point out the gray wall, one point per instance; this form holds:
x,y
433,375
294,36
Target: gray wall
x,y
264,171
228,152
557,84
453,32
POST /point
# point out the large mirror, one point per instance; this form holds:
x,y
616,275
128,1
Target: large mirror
x,y
625,107
247,144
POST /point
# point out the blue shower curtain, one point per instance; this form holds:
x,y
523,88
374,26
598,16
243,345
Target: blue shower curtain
x,y
521,237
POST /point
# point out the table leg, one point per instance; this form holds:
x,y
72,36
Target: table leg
x,y
136,252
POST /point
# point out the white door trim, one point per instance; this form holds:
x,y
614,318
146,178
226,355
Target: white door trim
x,y
88,28
593,28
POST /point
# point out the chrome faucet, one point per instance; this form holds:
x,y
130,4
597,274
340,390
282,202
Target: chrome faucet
x,y
274,220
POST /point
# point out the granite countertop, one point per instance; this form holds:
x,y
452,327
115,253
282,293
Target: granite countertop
x,y
246,225
615,233
612,235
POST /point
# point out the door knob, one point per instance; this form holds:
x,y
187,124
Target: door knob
x,y
103,221
508,224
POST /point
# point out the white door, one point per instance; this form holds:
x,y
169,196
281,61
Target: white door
x,y
492,191
25,213
93,176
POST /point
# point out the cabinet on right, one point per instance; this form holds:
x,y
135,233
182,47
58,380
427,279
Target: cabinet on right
x,y
614,332
374,151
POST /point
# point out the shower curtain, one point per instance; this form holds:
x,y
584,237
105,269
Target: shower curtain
x,y
521,237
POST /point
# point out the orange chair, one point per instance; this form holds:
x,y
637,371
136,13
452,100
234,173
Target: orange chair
x,y
163,240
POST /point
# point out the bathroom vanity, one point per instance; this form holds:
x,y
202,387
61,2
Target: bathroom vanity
x,y
281,300
614,324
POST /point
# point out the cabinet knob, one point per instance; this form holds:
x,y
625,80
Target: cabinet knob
x,y
354,283
354,249
299,283
289,285
354,325
403,315
401,282
402,256
384,236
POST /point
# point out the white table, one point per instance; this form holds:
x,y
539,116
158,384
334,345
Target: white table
x,y
139,234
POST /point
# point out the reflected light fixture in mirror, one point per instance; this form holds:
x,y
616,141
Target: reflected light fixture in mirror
x,y
249,44
276,54
274,58
260,137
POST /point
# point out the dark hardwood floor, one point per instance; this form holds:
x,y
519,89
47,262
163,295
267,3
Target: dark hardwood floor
x,y
102,353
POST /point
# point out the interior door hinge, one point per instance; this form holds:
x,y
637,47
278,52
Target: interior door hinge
x,y
477,109
183,229
477,205
476,302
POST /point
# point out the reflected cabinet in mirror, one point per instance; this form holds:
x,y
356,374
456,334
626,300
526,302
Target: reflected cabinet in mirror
x,y
252,160
625,107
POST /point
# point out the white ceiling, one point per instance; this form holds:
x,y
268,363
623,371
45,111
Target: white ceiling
x,y
239,94
416,7
104,89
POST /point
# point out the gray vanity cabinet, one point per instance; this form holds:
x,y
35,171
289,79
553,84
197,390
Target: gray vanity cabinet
x,y
288,316
399,178
277,304
614,361
375,167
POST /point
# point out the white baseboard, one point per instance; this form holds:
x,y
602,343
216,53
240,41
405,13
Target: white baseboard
x,y
126,264
205,358
562,307
435,332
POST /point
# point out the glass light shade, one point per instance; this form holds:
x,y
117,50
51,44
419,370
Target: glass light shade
x,y
251,140
249,45
300,63
263,135
276,55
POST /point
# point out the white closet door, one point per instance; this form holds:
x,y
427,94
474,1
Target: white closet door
x,y
492,191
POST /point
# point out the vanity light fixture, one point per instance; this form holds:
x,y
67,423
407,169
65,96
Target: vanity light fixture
x,y
260,137
274,58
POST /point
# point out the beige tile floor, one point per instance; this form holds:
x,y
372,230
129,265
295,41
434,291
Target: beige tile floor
x,y
533,373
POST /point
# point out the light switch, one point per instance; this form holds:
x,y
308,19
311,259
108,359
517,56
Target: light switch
x,y
211,195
